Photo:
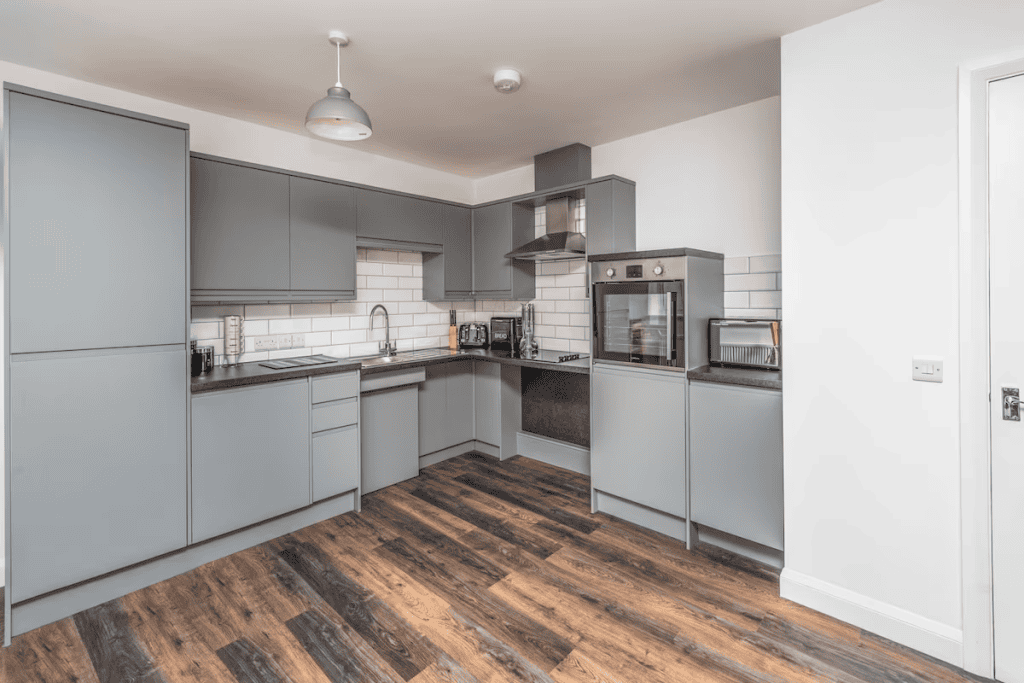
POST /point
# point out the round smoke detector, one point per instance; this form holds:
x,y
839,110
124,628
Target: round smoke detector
x,y
507,80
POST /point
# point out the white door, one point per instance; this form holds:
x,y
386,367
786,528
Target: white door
x,y
1006,231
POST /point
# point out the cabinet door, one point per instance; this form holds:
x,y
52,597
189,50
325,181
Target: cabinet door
x,y
487,401
390,431
322,236
386,216
611,217
97,463
460,390
335,462
433,409
239,228
458,250
492,239
736,461
98,217
250,456
638,450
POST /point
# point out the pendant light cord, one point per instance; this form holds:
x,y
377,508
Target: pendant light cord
x,y
338,47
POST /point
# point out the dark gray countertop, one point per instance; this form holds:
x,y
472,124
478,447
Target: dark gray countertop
x,y
744,377
247,374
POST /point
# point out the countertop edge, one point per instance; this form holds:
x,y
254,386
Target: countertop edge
x,y
758,379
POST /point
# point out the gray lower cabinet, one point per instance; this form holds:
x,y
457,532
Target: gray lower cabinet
x,y
638,445
487,398
736,461
322,237
98,469
239,228
389,424
250,456
98,213
446,406
335,462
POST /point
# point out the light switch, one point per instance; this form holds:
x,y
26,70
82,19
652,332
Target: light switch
x,y
927,369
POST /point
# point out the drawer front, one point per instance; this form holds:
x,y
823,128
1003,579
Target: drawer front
x,y
335,414
335,462
395,378
335,387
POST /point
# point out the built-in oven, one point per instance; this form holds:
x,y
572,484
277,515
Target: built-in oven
x,y
639,321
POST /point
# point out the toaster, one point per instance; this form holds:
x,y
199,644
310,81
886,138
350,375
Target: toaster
x,y
473,335
745,343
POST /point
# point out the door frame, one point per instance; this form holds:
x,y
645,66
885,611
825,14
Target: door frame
x,y
975,371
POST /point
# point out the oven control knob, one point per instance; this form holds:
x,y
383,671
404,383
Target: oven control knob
x,y
658,270
610,272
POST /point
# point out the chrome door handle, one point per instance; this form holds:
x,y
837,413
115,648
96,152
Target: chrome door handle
x,y
1011,404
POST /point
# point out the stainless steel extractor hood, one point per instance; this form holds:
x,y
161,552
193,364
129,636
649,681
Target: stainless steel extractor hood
x,y
561,241
562,166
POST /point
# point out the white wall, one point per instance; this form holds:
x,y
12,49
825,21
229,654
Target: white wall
x,y
215,134
708,183
869,242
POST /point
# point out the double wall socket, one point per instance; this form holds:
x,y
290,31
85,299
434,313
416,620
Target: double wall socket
x,y
275,342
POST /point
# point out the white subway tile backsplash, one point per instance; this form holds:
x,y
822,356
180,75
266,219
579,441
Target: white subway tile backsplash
x,y
267,311
310,310
579,319
766,299
206,330
410,282
348,308
398,269
412,332
372,296
413,307
760,281
200,313
367,268
413,257
571,332
737,299
738,264
579,293
570,306
381,256
255,328
381,282
576,346
554,318
766,264
348,336
319,339
364,349
331,324
291,325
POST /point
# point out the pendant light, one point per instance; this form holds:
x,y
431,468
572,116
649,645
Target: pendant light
x,y
337,117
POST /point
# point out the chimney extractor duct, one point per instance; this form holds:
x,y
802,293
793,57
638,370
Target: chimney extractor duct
x,y
559,167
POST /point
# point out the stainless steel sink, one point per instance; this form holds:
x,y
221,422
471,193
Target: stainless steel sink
x,y
406,357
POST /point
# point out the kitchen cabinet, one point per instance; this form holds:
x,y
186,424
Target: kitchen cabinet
x,y
250,455
611,217
240,238
263,235
322,237
638,446
446,406
736,461
448,276
487,398
334,423
398,218
389,428
97,228
97,465
497,230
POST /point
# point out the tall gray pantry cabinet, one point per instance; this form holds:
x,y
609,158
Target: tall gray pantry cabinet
x,y
95,237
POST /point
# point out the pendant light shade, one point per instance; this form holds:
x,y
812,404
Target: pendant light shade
x,y
337,117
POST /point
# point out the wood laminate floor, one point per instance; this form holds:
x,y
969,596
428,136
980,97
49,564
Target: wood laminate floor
x,y
478,570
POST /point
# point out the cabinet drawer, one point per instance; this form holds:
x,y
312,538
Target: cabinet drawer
x,y
335,462
335,387
335,414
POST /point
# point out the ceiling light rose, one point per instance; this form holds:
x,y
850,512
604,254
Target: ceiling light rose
x,y
337,117
507,80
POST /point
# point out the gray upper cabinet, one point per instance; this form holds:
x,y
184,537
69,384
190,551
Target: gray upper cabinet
x,y
239,228
398,218
492,239
323,237
611,217
98,478
250,456
449,275
98,209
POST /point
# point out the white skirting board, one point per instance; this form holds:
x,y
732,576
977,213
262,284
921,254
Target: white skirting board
x,y
895,623
553,452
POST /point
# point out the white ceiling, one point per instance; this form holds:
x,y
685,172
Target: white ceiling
x,y
593,70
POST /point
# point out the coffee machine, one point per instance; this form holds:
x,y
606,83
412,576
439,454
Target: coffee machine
x,y
506,333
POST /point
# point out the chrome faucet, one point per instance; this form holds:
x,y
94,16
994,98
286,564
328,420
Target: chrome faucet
x,y
386,347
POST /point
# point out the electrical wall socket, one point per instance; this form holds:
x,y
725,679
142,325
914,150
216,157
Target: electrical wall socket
x,y
265,343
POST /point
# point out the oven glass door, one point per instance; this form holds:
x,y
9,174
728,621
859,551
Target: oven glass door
x,y
639,322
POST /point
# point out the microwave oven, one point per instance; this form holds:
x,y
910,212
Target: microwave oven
x,y
745,343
